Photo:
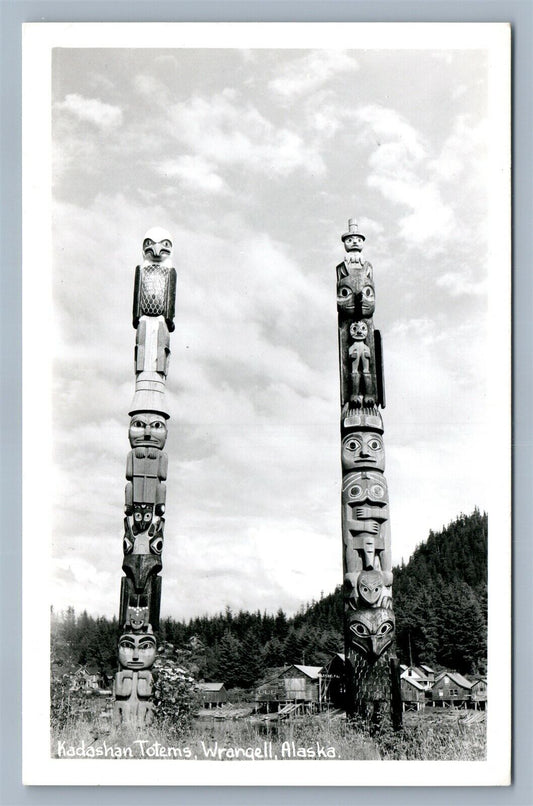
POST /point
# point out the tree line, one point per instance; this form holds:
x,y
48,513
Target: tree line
x,y
440,602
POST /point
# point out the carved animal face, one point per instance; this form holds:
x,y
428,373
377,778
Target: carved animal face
x,y
371,631
358,331
136,651
367,486
157,244
354,243
370,586
147,429
142,517
363,449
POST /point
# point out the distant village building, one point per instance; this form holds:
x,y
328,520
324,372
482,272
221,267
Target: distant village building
x,y
478,693
413,694
294,684
333,682
88,678
423,674
451,689
213,694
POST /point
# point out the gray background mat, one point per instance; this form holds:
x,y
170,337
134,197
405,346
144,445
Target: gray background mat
x,y
12,14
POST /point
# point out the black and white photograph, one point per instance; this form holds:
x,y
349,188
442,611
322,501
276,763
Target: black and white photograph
x,y
266,289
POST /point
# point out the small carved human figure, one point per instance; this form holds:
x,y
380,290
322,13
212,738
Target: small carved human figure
x,y
365,511
371,631
363,450
133,683
137,615
155,279
147,464
144,598
359,353
353,241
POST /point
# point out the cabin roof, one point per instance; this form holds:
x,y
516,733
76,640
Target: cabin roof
x,y
456,677
415,683
210,686
311,671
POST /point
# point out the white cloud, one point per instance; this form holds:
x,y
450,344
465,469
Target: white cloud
x,y
401,172
306,74
459,283
227,132
91,110
194,172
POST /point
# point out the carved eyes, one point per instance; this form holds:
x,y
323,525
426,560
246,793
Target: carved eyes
x,y
363,632
156,545
156,424
345,292
354,445
147,242
368,292
368,590
375,491
167,244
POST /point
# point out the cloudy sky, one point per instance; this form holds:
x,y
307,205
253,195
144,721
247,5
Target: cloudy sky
x,y
254,160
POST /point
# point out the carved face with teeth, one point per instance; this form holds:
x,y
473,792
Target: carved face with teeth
x,y
136,651
147,429
361,450
371,631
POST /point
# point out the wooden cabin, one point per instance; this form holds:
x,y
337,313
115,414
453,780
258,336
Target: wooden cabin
x,y
450,689
293,684
413,694
213,694
419,674
332,682
478,693
88,678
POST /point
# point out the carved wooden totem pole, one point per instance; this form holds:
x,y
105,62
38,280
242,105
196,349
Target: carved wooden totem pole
x,y
372,686
146,471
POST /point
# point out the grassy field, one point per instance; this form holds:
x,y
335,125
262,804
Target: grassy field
x,y
430,735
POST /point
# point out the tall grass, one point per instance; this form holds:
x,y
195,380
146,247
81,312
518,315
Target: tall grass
x,y
423,737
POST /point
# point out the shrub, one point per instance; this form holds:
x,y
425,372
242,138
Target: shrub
x,y
176,697
69,699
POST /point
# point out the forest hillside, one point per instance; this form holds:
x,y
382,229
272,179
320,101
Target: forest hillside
x,y
440,602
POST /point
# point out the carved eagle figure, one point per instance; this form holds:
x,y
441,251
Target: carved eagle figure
x,y
155,279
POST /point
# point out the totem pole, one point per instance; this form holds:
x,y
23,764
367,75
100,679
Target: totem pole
x,y
372,686
146,471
